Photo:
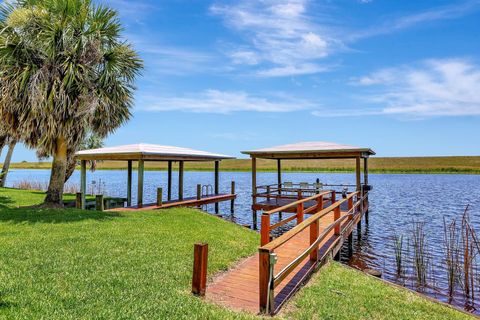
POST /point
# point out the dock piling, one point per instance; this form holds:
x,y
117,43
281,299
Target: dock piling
x,y
159,197
232,202
99,202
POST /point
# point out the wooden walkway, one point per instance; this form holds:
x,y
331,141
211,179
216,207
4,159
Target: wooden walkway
x,y
238,288
186,202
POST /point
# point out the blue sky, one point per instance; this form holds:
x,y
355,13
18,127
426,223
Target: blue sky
x,y
401,77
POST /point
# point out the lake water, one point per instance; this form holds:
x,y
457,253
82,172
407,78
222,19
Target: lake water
x,y
396,201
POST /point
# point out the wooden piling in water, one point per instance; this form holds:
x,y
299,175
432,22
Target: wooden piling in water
x,y
232,202
159,197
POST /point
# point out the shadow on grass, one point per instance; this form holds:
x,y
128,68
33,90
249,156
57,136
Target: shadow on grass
x,y
38,215
5,202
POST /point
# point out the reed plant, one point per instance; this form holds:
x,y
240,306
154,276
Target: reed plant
x,y
399,254
420,253
451,243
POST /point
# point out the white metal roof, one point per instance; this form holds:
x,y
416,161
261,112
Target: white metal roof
x,y
310,147
148,152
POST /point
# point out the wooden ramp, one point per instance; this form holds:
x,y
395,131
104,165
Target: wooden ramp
x,y
238,288
265,281
186,202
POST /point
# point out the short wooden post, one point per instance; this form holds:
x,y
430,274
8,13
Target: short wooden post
x,y
200,262
300,213
265,230
199,191
268,193
333,196
232,202
319,203
159,197
336,216
350,207
314,232
99,202
78,200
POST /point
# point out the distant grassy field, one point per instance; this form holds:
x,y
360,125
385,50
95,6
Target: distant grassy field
x,y
376,164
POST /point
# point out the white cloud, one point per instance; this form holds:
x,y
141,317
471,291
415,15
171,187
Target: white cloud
x,y
441,87
279,34
216,101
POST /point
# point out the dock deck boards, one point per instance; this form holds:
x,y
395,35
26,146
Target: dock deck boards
x,y
186,202
238,288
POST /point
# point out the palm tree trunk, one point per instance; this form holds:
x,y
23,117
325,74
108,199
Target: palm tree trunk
x,y
57,177
6,164
3,140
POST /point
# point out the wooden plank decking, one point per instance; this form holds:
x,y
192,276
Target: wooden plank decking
x,y
238,288
187,202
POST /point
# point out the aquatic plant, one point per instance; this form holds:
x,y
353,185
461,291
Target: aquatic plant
x,y
420,254
399,254
451,243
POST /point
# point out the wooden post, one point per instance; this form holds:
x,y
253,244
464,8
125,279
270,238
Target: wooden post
x,y
358,173
365,170
159,197
314,233
129,183
232,202
180,180
317,182
268,193
217,182
254,192
350,244
350,207
169,181
265,230
83,182
200,263
141,169
199,191
300,212
333,197
264,279
336,216
279,175
99,202
319,203
78,200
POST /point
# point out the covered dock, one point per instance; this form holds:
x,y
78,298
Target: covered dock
x,y
142,153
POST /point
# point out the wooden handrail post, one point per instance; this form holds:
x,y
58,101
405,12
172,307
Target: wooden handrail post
x,y
336,216
232,202
200,262
159,197
350,207
268,193
300,213
199,191
314,232
99,202
78,200
266,295
319,203
265,230
333,197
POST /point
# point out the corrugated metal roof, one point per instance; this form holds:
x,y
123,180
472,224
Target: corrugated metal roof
x,y
311,147
152,150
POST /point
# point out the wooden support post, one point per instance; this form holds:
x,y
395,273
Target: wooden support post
x,y
264,280
268,193
300,213
254,192
83,182
350,244
279,175
336,216
180,180
365,181
169,181
99,202
265,230
159,197
314,233
217,183
141,169
232,202
78,200
333,196
358,173
129,183
317,182
319,203
350,207
200,263
199,191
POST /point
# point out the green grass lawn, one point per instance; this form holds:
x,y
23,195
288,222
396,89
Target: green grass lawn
x,y
73,264
338,292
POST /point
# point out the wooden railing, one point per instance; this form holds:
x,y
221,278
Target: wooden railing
x,y
268,281
299,214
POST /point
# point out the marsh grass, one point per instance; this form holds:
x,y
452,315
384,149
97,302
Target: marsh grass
x,y
420,253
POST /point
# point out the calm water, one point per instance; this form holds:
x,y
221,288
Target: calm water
x,y
395,202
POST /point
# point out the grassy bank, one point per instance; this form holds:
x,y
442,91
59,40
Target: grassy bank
x,y
469,165
73,264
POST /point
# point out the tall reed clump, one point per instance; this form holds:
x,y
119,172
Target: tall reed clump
x,y
42,186
399,254
420,253
470,251
451,244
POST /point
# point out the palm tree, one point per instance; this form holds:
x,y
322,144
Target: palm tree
x,y
6,164
91,141
64,67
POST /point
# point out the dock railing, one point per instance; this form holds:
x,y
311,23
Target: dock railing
x,y
268,281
